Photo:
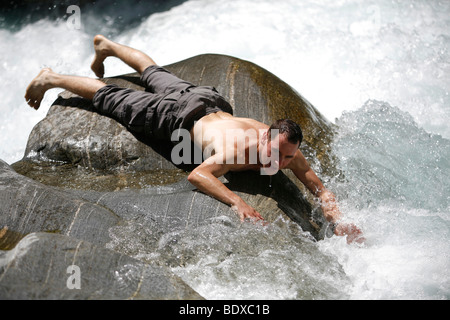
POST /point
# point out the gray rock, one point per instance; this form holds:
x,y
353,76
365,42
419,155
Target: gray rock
x,y
28,206
50,266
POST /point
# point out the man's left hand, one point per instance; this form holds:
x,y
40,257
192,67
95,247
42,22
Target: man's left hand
x,y
353,233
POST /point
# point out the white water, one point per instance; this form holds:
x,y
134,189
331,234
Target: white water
x,y
338,54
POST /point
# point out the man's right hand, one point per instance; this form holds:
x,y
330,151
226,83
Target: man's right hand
x,y
245,211
204,177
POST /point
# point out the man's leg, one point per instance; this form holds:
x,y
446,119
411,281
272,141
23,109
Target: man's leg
x,y
47,79
104,48
83,86
158,80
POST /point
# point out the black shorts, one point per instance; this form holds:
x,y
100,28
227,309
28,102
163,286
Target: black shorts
x,y
167,104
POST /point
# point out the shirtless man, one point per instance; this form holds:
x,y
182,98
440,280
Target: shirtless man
x,y
200,110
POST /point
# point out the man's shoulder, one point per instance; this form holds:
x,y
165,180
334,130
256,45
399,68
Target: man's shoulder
x,y
226,121
249,123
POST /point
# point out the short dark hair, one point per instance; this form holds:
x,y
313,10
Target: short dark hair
x,y
290,128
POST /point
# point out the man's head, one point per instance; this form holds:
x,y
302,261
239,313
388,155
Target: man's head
x,y
289,128
280,144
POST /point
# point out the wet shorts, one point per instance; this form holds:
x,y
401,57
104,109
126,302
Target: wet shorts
x,y
168,103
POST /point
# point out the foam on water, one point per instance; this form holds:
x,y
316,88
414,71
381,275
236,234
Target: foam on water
x,y
24,53
393,150
338,55
397,188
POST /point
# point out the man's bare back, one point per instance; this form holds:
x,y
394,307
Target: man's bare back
x,y
235,138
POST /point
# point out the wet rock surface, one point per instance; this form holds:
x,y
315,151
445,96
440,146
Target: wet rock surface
x,y
84,179
51,266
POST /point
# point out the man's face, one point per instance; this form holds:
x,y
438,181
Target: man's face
x,y
280,152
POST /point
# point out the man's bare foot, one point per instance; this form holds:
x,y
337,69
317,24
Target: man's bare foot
x,y
37,88
102,51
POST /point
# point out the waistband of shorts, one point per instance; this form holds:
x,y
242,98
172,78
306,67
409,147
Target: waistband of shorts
x,y
150,69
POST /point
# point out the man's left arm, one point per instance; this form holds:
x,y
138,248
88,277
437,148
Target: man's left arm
x,y
328,203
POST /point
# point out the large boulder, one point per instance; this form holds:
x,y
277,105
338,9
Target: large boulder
x,y
44,230
85,177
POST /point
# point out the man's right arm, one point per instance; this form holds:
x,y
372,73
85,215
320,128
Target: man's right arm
x,y
205,178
